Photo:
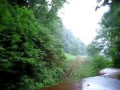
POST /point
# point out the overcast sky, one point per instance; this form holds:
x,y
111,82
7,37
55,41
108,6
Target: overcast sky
x,y
80,17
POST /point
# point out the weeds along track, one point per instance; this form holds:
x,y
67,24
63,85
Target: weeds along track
x,y
77,69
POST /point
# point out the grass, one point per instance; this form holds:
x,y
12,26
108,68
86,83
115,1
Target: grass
x,y
70,56
83,69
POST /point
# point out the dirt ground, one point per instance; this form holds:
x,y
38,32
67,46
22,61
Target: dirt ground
x,y
73,66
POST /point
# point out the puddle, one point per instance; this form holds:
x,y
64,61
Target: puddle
x,y
92,83
110,73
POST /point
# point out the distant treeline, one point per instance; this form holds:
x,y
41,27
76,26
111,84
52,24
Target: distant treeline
x,y
72,44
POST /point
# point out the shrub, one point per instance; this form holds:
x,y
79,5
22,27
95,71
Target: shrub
x,y
99,62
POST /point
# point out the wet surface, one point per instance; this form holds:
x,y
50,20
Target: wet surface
x,y
92,83
110,73
101,83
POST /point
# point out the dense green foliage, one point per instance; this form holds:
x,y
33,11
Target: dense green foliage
x,y
100,62
111,32
107,41
31,56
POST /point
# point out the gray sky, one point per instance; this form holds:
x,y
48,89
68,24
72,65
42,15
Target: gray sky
x,y
80,17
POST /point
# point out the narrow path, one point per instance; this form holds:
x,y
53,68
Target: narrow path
x,y
74,65
91,83
103,82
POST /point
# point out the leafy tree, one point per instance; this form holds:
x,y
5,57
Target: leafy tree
x,y
109,33
31,57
